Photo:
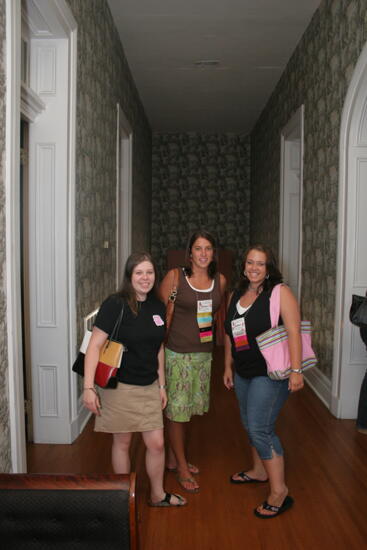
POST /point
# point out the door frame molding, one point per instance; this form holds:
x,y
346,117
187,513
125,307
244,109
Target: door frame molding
x,y
124,149
12,212
296,119
346,131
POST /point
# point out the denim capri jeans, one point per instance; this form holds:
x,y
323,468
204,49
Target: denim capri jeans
x,y
260,400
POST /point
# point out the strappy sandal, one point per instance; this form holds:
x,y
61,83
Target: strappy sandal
x,y
167,501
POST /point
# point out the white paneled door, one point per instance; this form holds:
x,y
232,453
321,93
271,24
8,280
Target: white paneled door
x,y
48,209
51,82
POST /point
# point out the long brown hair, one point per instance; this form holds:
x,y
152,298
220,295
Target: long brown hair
x,y
126,290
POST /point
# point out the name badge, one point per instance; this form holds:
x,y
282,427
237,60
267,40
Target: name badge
x,y
158,320
238,327
239,334
205,306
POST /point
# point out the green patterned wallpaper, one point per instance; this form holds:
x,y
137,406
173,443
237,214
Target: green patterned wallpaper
x,y
317,75
103,79
200,180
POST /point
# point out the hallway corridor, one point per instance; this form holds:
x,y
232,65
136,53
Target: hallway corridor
x,y
326,473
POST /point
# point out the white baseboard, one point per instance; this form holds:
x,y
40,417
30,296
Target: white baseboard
x,y
320,384
80,422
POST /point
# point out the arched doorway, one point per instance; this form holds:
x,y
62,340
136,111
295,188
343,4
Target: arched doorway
x,y
350,358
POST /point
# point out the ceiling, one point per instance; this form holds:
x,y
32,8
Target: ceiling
x,y
166,41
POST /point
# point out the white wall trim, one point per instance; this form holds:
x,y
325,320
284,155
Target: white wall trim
x,y
31,104
124,147
75,409
12,190
341,237
320,384
13,284
80,421
297,120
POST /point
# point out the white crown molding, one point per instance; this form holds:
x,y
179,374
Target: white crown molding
x,y
31,105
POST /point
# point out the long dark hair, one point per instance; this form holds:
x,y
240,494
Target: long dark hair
x,y
212,267
273,274
126,290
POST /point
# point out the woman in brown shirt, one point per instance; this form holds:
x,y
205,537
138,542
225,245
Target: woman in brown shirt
x,y
189,346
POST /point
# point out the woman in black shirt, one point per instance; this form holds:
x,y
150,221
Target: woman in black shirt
x,y
136,404
261,398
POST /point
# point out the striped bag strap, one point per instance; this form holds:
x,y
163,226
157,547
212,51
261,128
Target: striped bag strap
x,y
275,306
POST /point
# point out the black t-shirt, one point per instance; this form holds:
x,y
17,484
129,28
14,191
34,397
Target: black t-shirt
x,y
141,334
250,362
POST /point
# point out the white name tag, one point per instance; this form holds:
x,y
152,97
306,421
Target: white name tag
x,y
205,306
238,327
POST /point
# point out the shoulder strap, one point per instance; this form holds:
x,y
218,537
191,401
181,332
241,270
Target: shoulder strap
x,y
172,298
275,306
117,325
174,286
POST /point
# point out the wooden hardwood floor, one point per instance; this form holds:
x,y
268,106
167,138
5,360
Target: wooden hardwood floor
x,y
326,461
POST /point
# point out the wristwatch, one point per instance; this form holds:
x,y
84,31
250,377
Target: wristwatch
x,y
297,371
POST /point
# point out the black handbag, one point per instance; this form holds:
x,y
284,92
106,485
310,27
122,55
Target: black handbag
x,y
358,311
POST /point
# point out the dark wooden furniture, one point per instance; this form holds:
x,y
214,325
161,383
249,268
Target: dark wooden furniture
x,y
43,511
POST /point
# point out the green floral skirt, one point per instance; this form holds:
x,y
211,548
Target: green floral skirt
x,y
188,384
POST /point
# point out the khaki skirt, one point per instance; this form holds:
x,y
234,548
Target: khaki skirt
x,y
129,408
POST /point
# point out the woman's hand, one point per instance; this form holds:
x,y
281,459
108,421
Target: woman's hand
x,y
296,381
228,362
91,401
163,397
90,396
228,378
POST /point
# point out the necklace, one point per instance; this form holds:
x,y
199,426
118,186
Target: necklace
x,y
257,290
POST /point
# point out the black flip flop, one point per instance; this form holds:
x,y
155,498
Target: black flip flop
x,y
166,501
245,479
287,503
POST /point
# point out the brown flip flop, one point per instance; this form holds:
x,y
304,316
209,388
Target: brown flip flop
x,y
183,480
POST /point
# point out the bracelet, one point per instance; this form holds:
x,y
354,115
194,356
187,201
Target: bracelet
x,y
162,386
93,389
297,371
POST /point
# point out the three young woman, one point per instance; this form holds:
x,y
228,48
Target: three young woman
x,y
137,403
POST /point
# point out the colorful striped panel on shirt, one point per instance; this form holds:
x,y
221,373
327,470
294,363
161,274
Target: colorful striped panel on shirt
x,y
241,342
205,322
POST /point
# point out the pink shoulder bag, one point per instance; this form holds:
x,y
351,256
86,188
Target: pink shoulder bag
x,y
273,343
